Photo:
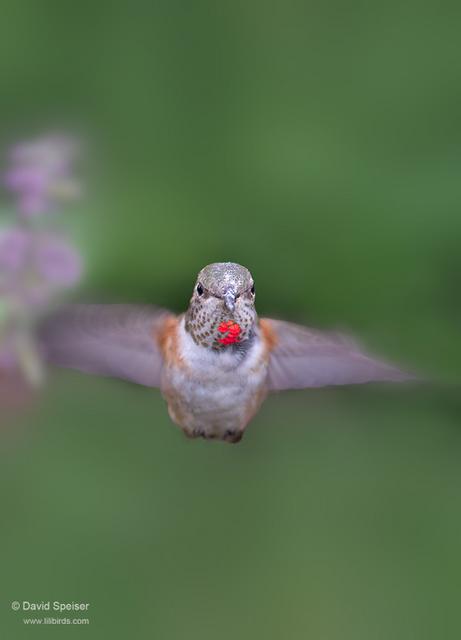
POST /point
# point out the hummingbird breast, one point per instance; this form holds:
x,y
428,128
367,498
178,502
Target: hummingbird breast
x,y
212,394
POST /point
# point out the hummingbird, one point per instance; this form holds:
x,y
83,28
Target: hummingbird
x,y
215,363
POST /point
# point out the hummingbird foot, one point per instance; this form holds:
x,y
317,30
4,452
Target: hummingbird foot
x,y
232,436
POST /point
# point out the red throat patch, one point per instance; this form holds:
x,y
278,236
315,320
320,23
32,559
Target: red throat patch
x,y
231,332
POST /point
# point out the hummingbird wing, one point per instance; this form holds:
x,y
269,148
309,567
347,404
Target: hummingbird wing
x,y
115,340
302,357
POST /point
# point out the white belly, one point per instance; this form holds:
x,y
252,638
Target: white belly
x,y
214,394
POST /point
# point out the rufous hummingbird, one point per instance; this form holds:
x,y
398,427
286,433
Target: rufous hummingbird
x,y
216,362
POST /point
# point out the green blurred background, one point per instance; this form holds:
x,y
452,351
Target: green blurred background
x,y
319,145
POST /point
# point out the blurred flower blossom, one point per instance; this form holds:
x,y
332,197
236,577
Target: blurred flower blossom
x,y
14,244
8,357
35,265
36,261
58,263
40,174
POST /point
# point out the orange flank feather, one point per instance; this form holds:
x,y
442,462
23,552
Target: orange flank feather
x,y
269,334
167,338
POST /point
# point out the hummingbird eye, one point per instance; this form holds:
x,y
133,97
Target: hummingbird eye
x,y
199,289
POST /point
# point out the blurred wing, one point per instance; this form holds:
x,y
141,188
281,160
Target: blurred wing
x,y
303,357
110,340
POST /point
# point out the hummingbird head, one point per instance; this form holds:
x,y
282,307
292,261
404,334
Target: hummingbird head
x,y
222,310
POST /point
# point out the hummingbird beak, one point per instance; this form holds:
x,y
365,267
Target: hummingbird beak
x,y
229,300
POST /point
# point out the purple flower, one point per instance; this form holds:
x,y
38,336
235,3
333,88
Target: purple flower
x,y
36,265
57,262
23,178
8,357
33,204
14,247
40,174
